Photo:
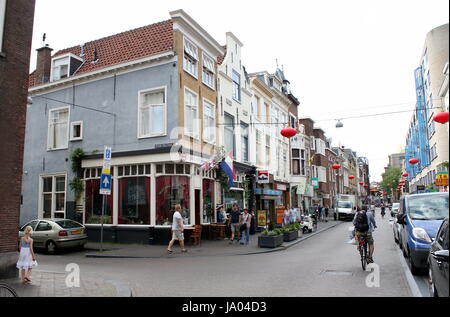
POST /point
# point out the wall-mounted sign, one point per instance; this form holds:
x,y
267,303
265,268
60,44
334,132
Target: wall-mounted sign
x,y
262,177
442,179
262,218
315,182
281,187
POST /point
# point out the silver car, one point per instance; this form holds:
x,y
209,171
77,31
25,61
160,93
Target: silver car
x,y
53,234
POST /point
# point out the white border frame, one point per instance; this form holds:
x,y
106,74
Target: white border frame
x,y
68,128
213,106
185,38
72,124
196,121
140,92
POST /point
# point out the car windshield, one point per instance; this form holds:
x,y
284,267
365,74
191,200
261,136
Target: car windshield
x,y
432,207
68,224
344,204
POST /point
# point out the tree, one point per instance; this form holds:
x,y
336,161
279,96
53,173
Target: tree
x,y
391,179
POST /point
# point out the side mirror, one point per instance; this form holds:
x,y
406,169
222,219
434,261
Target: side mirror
x,y
440,255
401,219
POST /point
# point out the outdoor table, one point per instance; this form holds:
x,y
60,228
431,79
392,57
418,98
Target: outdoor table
x,y
217,231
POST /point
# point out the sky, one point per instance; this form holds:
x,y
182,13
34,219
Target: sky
x,y
343,58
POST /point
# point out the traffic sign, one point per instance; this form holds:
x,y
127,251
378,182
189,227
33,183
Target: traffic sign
x,y
107,160
105,184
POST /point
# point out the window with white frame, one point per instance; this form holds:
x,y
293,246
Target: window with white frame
x,y
152,113
76,131
190,58
208,71
58,129
209,122
60,68
244,142
259,155
228,134
2,21
53,196
236,86
268,154
191,114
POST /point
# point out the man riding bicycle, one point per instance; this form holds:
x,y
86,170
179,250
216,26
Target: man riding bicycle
x,y
365,225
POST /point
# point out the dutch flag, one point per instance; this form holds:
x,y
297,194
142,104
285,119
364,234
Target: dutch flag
x,y
228,168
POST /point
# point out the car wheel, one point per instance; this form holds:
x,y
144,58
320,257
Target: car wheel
x,y
433,291
50,247
414,269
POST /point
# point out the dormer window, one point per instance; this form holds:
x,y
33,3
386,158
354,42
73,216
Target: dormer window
x,y
65,66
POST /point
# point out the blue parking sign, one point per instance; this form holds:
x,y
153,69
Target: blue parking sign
x,y
105,184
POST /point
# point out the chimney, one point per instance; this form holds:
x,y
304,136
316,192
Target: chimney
x,y
43,64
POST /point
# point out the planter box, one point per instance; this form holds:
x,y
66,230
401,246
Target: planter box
x,y
290,236
270,241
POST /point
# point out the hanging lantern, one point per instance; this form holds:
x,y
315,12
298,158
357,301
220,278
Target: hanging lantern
x,y
336,166
366,186
405,174
402,182
414,161
361,183
385,194
288,132
441,117
351,177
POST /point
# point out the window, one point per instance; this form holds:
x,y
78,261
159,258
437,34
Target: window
x,y
2,21
244,142
295,161
93,204
191,114
76,131
53,196
170,191
431,129
152,113
208,71
209,122
60,68
229,133
236,86
58,129
259,154
43,226
258,108
268,155
134,200
433,152
190,58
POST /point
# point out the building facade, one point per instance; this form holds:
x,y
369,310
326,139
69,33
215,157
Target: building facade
x,y
16,29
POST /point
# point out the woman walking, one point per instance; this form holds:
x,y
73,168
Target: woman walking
x,y
27,258
247,220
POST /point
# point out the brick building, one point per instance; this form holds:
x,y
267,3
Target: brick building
x,y
16,28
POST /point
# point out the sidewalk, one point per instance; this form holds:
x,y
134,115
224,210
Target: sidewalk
x,y
53,284
207,247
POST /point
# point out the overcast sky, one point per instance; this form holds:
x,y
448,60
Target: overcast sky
x,y
343,58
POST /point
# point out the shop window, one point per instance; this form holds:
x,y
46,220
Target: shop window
x,y
134,200
180,169
170,191
208,201
159,169
93,207
170,169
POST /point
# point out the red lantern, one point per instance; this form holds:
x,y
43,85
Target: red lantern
x,y
414,161
366,186
361,183
351,177
402,182
336,166
385,194
441,117
405,174
288,132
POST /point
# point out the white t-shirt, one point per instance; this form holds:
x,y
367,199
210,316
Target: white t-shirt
x,y
175,224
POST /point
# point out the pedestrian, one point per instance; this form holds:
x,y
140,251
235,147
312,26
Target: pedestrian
x,y
228,224
221,215
286,216
326,213
235,220
292,216
177,230
27,258
246,220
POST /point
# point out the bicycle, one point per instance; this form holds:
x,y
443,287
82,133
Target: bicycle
x,y
362,248
7,291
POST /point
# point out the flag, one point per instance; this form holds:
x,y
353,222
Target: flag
x,y
228,167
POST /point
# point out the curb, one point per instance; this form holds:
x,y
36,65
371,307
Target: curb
x,y
282,248
409,277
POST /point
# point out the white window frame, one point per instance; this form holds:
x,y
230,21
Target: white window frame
x,y
195,125
2,21
48,128
186,43
140,94
72,125
53,193
209,69
239,97
207,130
53,67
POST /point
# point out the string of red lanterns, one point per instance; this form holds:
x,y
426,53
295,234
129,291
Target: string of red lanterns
x,y
441,117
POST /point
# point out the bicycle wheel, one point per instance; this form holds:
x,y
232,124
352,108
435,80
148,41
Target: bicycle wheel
x,y
7,291
364,257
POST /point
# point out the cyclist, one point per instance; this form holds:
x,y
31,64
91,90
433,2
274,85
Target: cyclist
x,y
365,225
383,210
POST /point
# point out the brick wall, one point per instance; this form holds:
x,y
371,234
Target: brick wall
x,y
14,68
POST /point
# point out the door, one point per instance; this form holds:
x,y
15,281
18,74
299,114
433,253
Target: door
x,y
42,234
197,206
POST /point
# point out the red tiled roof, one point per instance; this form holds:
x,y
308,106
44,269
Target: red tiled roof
x,y
123,47
220,59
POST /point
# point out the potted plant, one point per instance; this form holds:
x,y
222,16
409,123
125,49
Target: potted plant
x,y
270,239
290,233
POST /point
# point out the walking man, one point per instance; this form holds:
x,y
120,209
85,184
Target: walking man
x,y
235,221
177,230
246,219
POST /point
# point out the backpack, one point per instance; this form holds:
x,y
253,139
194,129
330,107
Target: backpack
x,y
362,223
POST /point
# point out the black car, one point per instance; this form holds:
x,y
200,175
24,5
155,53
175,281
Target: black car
x,y
438,262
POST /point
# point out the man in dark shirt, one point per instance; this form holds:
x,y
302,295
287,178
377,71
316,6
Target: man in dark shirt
x,y
235,222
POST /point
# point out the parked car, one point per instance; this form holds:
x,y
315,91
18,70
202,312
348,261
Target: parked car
x,y
53,234
420,217
307,223
394,209
438,263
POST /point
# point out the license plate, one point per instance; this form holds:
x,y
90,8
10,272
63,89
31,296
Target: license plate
x,y
76,232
